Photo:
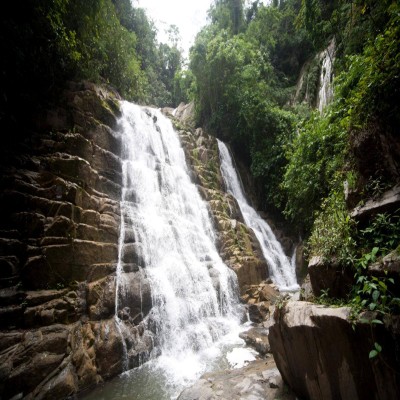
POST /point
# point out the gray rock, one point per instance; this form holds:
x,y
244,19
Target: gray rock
x,y
257,338
321,355
260,380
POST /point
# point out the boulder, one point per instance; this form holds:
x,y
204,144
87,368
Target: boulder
x,y
257,338
321,354
389,201
330,276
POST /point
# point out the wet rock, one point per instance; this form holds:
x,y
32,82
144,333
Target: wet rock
x,y
388,267
61,386
236,243
33,356
257,338
101,298
258,312
260,380
135,294
109,348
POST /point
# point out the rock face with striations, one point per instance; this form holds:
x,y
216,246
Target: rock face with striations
x,y
59,230
322,355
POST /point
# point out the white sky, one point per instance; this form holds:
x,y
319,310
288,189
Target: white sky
x,y
188,15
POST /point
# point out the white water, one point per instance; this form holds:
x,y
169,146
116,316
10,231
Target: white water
x,y
281,269
194,294
325,93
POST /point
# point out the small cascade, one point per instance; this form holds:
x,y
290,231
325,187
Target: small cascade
x,y
194,294
281,271
325,93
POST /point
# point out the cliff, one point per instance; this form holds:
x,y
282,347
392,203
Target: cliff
x,y
59,233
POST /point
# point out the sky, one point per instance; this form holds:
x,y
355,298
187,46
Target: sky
x,y
188,15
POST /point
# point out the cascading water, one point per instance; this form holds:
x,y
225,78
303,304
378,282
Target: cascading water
x,y
194,294
325,93
281,270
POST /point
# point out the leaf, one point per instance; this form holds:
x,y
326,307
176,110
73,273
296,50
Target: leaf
x,y
376,321
383,285
372,306
378,347
373,353
375,295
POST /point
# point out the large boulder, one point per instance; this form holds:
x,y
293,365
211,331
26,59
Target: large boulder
x,y
322,354
330,277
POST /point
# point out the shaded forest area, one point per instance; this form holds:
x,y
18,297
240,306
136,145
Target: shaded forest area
x,y
45,43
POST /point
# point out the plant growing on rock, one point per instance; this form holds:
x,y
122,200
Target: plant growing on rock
x,y
333,231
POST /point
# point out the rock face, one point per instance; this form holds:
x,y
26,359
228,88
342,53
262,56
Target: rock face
x,y
389,201
59,229
321,355
237,243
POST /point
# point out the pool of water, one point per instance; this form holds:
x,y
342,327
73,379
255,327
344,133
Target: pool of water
x,y
164,378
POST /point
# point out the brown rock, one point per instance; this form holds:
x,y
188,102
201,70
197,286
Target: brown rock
x,y
257,337
135,294
388,202
109,348
331,277
101,298
61,386
322,356
259,312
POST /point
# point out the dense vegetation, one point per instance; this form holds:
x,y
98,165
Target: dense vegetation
x,y
246,63
48,42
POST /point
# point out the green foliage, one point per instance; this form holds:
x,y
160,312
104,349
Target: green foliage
x,y
271,136
325,299
316,154
374,352
184,86
383,232
333,231
38,51
243,79
371,292
48,42
371,81
228,15
106,48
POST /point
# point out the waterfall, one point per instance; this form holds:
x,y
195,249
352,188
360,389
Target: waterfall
x,y
281,270
325,93
194,294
